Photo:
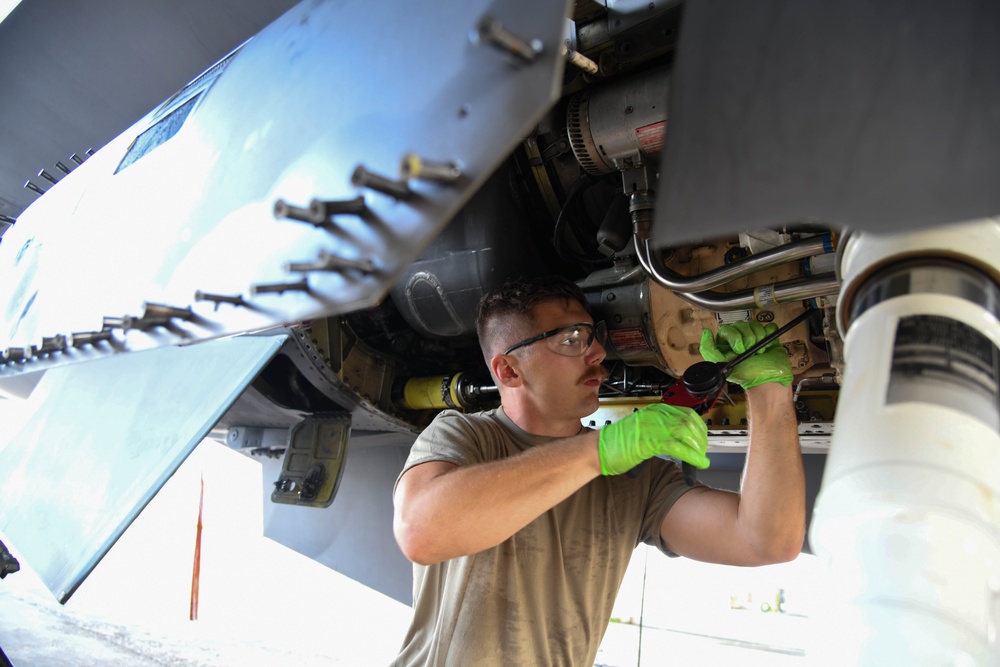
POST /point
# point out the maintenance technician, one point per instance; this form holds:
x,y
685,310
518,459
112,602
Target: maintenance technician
x,y
520,522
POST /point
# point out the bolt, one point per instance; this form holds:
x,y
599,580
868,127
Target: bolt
x,y
765,316
362,178
283,209
160,311
491,31
237,300
143,323
47,176
415,167
279,288
323,210
113,323
52,344
34,188
89,337
328,262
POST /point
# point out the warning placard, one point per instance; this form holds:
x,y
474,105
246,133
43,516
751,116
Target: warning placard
x,y
939,360
627,341
651,137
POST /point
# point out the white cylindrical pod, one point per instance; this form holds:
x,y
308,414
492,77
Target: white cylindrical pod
x,y
908,516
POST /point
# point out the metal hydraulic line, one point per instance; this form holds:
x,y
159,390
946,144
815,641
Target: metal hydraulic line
x,y
796,250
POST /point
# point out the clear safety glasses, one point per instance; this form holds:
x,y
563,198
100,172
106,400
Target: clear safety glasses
x,y
572,340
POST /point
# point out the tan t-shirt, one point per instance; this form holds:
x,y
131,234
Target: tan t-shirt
x,y
544,596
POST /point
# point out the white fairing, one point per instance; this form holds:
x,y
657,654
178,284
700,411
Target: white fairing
x,y
908,518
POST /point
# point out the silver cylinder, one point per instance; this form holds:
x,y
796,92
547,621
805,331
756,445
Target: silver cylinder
x,y
618,125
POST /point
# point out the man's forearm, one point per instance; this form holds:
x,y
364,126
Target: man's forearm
x,y
772,496
444,511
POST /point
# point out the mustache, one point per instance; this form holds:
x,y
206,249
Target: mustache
x,y
599,373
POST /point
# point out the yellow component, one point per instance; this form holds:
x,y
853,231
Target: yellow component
x,y
435,392
411,166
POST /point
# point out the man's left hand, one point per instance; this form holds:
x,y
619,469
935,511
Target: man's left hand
x,y
769,364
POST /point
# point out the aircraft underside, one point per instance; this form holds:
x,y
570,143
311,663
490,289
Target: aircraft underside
x,y
286,255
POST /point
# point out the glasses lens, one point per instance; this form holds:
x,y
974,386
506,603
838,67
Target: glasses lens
x,y
574,341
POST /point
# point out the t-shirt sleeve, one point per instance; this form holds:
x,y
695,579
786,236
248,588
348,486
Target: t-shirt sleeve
x,y
666,486
450,437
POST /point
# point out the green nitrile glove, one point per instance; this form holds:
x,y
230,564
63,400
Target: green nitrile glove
x,y
770,364
657,429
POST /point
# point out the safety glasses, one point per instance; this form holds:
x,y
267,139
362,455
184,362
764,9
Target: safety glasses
x,y
572,340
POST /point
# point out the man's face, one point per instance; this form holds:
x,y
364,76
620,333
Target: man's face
x,y
558,385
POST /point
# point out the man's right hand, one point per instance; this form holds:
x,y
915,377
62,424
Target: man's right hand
x,y
656,430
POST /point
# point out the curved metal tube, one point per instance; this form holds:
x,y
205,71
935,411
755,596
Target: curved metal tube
x,y
695,289
808,247
764,296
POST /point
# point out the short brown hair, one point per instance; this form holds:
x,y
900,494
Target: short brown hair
x,y
507,308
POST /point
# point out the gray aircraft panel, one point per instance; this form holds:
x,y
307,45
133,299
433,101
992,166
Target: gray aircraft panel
x,y
103,438
75,74
183,202
881,117
354,535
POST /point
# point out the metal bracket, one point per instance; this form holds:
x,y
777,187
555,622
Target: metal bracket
x,y
314,461
271,442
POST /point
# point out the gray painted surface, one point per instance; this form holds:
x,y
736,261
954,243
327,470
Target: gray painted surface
x,y
75,74
354,535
